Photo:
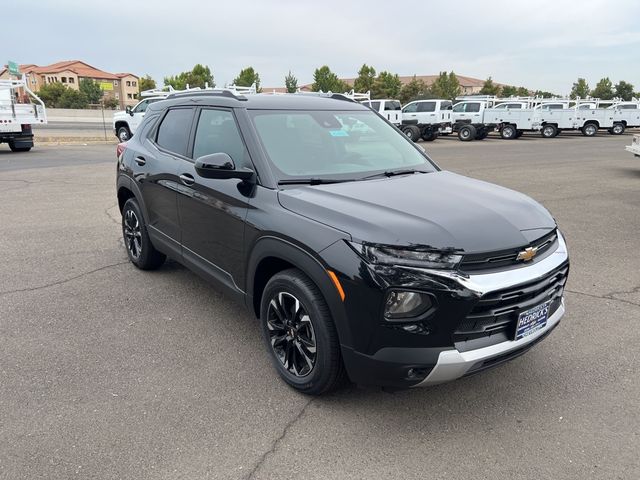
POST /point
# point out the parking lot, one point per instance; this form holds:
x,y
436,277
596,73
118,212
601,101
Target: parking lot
x,y
109,372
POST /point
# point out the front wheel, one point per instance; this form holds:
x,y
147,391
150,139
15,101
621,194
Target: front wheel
x,y
429,136
124,134
300,334
467,133
617,129
140,250
549,131
412,132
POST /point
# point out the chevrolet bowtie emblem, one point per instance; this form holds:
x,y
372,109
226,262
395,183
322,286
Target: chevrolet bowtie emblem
x,y
527,254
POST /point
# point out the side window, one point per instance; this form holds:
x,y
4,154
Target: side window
x,y
501,106
411,108
459,107
217,132
173,133
628,107
445,105
427,107
473,107
141,107
375,106
514,106
393,105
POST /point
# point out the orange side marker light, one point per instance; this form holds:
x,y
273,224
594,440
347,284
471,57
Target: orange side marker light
x,y
336,282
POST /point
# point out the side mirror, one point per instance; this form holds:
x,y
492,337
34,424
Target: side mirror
x,y
221,166
128,110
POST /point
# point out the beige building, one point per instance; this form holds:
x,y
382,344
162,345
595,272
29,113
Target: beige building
x,y
121,86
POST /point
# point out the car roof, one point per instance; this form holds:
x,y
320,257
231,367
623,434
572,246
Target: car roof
x,y
261,101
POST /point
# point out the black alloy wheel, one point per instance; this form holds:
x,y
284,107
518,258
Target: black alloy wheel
x,y
291,334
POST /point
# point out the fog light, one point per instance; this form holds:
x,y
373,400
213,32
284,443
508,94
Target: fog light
x,y
404,304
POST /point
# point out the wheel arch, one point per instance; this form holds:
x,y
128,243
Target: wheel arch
x,y
122,123
271,255
127,189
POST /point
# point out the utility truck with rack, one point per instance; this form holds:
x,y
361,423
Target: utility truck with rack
x,y
474,117
590,115
20,108
426,119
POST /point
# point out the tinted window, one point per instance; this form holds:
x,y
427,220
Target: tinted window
x,y
392,105
427,107
333,144
473,107
173,133
375,106
411,108
627,107
514,106
217,132
445,105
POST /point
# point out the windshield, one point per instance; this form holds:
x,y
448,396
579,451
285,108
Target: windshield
x,y
334,145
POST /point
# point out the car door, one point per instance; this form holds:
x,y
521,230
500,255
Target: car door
x,y
410,111
156,167
213,211
138,114
427,112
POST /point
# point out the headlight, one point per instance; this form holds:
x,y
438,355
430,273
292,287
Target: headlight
x,y
385,255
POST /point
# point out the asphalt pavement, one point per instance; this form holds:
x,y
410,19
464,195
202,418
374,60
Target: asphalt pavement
x,y
108,372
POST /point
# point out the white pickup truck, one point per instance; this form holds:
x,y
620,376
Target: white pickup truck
x,y
475,118
430,117
126,122
388,108
18,113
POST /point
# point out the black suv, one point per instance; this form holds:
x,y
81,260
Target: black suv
x,y
360,257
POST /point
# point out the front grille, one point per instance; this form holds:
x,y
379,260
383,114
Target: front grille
x,y
506,258
496,313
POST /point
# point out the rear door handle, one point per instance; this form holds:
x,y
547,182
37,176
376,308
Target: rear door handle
x,y
140,160
187,179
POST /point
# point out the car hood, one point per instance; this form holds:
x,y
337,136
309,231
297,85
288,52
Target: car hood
x,y
441,210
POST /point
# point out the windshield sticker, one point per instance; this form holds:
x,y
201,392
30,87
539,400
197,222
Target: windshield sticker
x,y
338,133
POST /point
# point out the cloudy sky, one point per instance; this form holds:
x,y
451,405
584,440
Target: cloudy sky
x,y
545,44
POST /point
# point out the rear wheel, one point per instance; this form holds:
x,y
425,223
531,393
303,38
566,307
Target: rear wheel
x,y
549,131
13,148
412,132
508,132
467,133
124,134
136,238
429,136
590,130
617,129
300,334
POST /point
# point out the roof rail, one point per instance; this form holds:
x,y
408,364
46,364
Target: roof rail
x,y
222,92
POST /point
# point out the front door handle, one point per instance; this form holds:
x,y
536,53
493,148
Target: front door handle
x,y
140,160
187,179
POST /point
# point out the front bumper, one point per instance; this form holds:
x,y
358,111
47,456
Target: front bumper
x,y
386,355
453,364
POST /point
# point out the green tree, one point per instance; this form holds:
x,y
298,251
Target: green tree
x,y
73,99
489,88
365,80
603,90
324,80
50,93
291,83
110,102
386,85
624,90
247,77
580,89
413,90
446,86
91,90
509,91
523,92
146,83
198,76
543,94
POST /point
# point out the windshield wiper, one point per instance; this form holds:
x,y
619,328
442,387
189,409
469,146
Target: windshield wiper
x,y
314,181
393,173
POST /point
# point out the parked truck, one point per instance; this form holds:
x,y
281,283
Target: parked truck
x,y
426,119
635,146
20,109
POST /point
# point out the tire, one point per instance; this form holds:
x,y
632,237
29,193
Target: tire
x,y
124,134
430,136
558,132
590,130
291,336
549,131
519,133
18,149
412,132
467,133
617,129
508,132
482,134
139,248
